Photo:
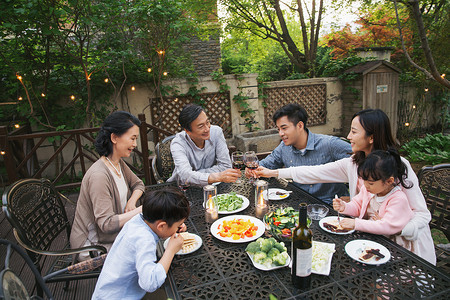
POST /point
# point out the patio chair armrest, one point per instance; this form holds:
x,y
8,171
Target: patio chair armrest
x,y
67,199
99,248
81,267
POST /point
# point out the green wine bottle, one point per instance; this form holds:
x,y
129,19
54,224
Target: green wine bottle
x,y
301,251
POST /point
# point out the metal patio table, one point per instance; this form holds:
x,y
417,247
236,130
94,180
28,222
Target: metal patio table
x,y
221,270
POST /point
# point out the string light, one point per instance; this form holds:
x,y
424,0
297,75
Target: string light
x,y
20,98
43,95
17,125
161,52
426,90
19,77
133,88
443,75
406,124
149,70
165,73
2,152
72,97
414,106
106,80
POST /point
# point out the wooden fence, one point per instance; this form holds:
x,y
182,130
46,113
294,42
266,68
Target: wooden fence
x,y
21,157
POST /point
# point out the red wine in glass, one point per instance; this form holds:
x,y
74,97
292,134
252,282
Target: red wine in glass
x,y
238,165
252,165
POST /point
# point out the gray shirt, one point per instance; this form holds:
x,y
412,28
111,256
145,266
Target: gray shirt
x,y
194,164
320,149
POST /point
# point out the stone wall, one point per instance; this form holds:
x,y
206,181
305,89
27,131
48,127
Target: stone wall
x,y
205,54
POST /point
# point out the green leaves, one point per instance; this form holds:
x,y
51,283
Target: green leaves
x,y
432,149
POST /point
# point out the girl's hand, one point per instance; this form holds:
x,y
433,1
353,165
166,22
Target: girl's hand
x,y
375,217
338,205
175,243
264,172
348,223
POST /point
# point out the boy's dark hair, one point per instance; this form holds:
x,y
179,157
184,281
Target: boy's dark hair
x,y
118,123
376,123
169,205
294,112
380,165
188,114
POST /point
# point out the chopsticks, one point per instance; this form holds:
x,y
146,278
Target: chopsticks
x,y
339,217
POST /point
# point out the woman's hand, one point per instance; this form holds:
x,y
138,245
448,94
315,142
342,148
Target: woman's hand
x,y
130,206
338,205
264,172
347,223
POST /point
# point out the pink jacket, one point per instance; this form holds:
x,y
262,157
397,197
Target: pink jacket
x,y
394,212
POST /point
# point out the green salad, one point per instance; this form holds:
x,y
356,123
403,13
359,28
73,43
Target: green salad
x,y
282,221
229,202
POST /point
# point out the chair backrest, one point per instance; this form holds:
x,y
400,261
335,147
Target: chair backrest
x,y
435,184
37,214
11,285
164,160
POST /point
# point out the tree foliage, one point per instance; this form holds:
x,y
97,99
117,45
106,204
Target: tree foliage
x,y
70,60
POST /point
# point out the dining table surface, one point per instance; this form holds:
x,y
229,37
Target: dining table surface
x,y
223,270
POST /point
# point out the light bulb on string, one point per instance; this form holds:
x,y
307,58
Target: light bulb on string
x,y
443,75
149,70
19,77
414,106
2,152
17,125
72,97
161,52
106,80
42,94
165,73
426,90
406,124
20,98
133,88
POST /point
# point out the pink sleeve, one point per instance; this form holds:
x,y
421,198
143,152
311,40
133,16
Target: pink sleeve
x,y
397,214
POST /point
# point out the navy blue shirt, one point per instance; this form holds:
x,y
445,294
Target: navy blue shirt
x,y
320,149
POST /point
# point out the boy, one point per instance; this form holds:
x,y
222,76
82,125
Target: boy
x,y
131,269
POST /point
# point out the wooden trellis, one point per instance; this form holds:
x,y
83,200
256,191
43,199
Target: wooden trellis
x,y
217,107
311,97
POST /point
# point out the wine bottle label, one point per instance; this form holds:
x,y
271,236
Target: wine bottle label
x,y
304,262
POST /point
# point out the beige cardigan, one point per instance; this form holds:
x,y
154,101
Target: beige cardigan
x,y
99,204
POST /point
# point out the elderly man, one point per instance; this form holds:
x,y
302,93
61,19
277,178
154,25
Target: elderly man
x,y
200,152
300,147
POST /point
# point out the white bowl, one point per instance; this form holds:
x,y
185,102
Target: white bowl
x,y
317,211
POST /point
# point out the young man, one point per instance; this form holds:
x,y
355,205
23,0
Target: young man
x,y
131,268
301,147
200,152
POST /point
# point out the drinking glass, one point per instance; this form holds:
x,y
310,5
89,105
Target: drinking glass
x,y
251,162
183,186
237,159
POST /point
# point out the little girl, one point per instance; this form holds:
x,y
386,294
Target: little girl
x,y
381,206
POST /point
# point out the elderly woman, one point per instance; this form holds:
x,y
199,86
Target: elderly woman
x,y
109,190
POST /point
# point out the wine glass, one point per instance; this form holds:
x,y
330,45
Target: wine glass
x,y
237,159
251,162
183,185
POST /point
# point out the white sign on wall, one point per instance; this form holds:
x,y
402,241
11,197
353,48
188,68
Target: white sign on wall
x,y
382,89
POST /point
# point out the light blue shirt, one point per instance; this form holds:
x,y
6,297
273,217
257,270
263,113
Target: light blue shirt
x,y
194,164
130,269
320,149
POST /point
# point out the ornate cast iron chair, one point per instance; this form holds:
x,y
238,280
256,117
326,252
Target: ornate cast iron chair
x,y
162,163
40,225
435,184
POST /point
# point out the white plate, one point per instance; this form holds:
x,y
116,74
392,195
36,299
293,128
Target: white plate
x,y
325,270
264,268
244,206
257,222
197,246
331,219
355,248
273,194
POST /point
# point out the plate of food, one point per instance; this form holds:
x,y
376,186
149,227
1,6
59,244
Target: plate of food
x,y
237,229
281,221
331,225
367,252
268,254
278,194
192,243
231,203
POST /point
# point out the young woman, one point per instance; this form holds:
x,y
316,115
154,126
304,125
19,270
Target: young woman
x,y
370,130
109,190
